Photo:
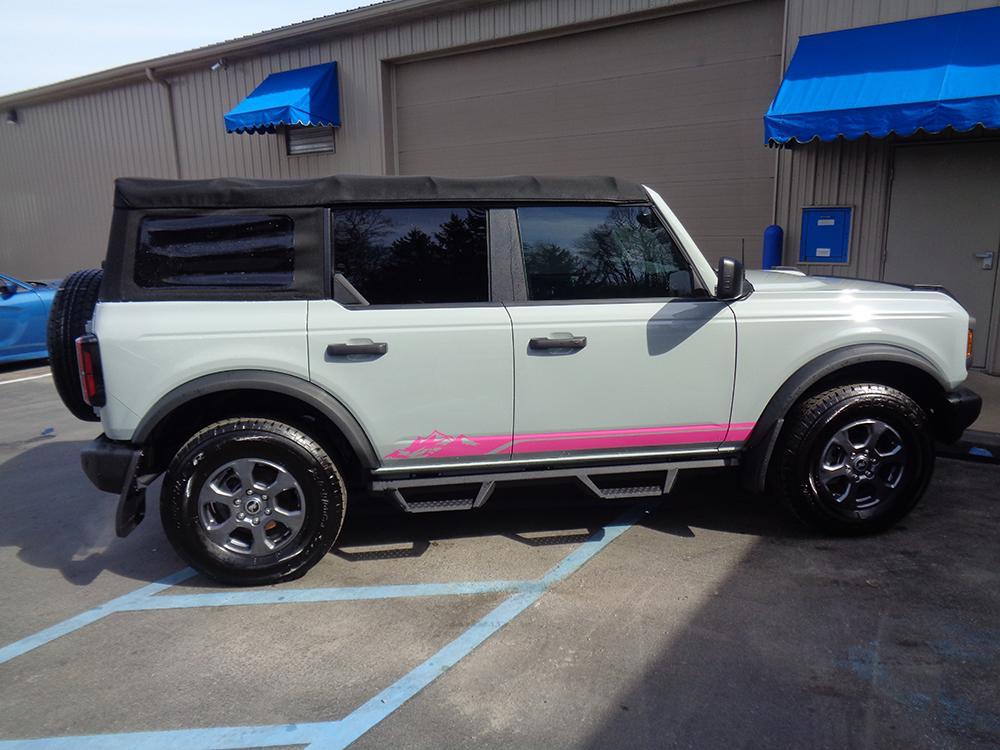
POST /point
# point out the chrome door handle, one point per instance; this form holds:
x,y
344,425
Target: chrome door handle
x,y
343,350
987,259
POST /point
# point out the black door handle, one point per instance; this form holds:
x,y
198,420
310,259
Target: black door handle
x,y
342,350
574,342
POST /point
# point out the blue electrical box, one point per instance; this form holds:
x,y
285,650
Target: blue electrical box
x,y
826,233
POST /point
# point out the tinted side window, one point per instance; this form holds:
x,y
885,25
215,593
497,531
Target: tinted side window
x,y
396,256
600,252
215,251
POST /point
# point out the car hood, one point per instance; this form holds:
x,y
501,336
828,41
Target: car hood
x,y
797,283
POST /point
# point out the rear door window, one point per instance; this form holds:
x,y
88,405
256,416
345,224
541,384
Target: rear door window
x,y
412,256
216,250
600,252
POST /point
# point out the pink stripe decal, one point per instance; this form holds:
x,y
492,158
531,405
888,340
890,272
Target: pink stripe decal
x,y
739,431
441,445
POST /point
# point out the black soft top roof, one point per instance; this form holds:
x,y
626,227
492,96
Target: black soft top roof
x,y
131,192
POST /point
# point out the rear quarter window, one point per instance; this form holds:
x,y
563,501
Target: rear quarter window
x,y
412,256
216,251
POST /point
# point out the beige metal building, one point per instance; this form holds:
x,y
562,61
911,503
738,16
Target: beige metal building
x,y
668,92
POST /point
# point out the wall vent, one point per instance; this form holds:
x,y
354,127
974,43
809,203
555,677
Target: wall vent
x,y
309,140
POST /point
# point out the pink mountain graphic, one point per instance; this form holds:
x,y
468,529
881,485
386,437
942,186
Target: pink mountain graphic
x,y
439,444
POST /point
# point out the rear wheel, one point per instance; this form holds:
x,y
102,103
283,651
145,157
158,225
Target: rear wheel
x,y
72,309
853,459
252,501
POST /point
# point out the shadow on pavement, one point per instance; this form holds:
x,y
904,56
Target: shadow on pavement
x,y
58,521
544,513
885,641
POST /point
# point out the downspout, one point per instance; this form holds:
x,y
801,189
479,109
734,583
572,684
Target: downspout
x,y
153,78
777,149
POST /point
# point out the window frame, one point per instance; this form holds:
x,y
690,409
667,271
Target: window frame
x,y
520,272
309,251
497,285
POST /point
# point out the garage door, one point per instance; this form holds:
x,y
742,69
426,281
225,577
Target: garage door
x,y
674,102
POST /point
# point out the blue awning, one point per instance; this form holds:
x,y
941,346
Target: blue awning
x,y
927,74
304,96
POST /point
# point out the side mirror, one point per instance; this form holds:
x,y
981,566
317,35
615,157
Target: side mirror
x,y
732,279
7,289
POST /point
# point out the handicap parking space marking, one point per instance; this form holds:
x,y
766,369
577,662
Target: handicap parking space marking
x,y
306,596
323,735
31,642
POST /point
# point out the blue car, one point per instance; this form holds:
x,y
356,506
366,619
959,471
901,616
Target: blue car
x,y
24,314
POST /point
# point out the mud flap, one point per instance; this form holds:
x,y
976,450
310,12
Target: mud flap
x,y
132,501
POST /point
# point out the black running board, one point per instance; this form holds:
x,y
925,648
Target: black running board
x,y
432,505
466,492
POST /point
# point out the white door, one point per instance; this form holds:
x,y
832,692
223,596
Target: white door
x,y
612,353
944,226
426,365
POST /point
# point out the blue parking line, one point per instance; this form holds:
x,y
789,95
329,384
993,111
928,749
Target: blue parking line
x,y
211,738
23,646
326,735
307,596
360,720
366,716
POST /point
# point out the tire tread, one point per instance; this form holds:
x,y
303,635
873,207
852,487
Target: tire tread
x,y
784,480
288,569
72,309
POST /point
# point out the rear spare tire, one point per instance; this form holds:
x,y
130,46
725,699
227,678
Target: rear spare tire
x,y
72,309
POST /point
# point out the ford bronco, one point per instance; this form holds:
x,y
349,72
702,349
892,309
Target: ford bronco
x,y
275,347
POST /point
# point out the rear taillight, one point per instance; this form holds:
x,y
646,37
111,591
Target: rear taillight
x,y
88,360
968,349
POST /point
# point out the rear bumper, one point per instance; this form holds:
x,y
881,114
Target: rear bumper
x,y
960,409
109,465
114,467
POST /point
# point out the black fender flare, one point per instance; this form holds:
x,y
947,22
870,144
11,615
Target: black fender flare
x,y
760,445
261,380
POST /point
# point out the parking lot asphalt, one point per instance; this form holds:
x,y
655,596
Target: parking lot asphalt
x,y
706,619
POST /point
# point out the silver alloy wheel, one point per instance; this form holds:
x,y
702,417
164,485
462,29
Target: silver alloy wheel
x,y
251,507
862,464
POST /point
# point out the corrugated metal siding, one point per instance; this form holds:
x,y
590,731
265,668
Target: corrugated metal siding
x,y
57,165
56,172
851,173
854,174
816,16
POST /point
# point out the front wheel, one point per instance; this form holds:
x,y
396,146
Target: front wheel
x,y
854,459
252,501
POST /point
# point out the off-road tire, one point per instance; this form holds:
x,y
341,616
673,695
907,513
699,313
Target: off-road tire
x,y
324,499
795,471
72,309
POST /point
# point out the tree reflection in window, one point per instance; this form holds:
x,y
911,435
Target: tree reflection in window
x,y
600,252
413,255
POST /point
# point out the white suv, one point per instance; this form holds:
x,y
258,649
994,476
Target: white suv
x,y
274,347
